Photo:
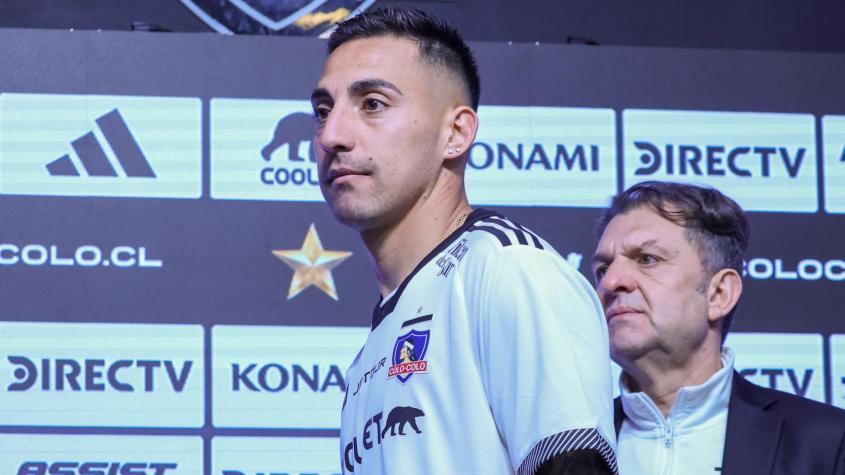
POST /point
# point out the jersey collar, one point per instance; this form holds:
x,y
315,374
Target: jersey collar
x,y
385,308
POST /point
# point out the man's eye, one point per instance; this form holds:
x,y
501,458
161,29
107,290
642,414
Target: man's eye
x,y
373,105
647,259
599,272
321,112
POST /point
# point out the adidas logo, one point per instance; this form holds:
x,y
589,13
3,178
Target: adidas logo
x,y
93,157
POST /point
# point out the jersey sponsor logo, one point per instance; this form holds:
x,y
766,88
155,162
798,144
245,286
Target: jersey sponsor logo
x,y
565,156
399,420
409,355
88,145
368,376
261,150
833,137
765,161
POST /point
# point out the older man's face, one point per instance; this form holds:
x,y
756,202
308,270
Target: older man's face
x,y
649,278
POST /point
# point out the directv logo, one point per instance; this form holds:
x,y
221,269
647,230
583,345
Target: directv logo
x,y
87,145
765,161
93,157
102,375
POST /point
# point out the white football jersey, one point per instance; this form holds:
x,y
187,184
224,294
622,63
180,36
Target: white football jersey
x,y
490,358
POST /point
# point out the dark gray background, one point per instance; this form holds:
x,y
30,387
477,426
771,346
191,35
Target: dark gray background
x,y
814,25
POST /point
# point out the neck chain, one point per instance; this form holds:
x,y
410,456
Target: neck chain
x,y
459,222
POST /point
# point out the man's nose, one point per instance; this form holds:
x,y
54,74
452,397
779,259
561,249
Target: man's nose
x,y
618,278
335,133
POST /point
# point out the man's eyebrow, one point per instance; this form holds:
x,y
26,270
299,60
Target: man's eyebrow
x,y
358,88
654,244
600,258
319,94
648,244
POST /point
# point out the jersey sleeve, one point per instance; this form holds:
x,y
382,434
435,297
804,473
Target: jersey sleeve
x,y
542,350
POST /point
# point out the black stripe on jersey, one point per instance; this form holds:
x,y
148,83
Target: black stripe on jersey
x,y
520,235
534,237
518,229
566,441
414,321
500,235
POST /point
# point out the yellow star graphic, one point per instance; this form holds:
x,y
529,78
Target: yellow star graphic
x,y
312,265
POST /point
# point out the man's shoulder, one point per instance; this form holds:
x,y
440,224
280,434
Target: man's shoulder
x,y
498,248
491,232
788,405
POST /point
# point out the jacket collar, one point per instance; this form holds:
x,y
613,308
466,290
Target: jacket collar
x,y
753,429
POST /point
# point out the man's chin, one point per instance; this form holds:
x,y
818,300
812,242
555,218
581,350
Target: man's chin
x,y
624,348
356,219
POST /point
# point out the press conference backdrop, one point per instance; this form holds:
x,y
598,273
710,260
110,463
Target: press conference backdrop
x,y
176,299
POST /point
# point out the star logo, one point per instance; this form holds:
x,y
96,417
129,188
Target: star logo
x,y
312,265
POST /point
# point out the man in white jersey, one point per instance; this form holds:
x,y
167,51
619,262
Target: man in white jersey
x,y
488,353
667,269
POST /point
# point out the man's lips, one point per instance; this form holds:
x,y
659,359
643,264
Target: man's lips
x,y
620,311
341,173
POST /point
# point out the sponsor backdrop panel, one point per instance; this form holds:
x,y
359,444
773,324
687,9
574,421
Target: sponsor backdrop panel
x,y
36,454
281,377
793,274
833,130
153,192
208,262
837,369
565,156
261,150
766,162
789,362
101,375
82,145
275,455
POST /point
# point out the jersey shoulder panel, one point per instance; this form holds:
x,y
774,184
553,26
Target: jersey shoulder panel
x,y
504,232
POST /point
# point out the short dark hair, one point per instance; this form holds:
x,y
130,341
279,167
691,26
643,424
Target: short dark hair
x,y
714,223
439,43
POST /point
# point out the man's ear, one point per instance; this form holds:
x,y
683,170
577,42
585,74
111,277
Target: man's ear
x,y
723,293
463,124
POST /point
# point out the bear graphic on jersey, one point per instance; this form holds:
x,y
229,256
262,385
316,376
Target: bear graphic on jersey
x,y
400,416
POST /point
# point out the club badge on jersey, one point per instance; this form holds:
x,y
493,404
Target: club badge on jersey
x,y
409,355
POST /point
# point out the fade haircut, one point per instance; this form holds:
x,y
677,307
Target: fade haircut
x,y
715,224
439,44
